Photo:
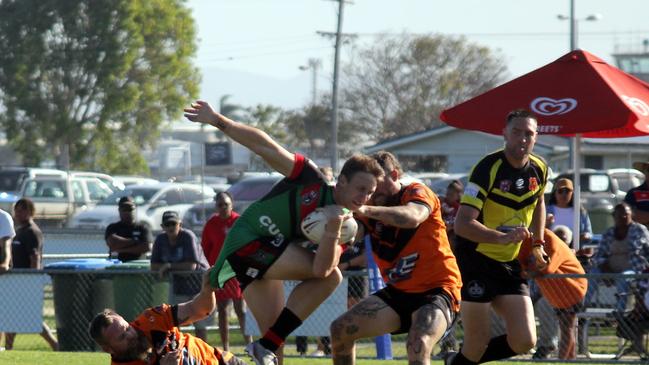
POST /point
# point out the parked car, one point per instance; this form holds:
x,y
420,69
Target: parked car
x,y
135,180
439,186
244,192
429,178
111,182
599,194
58,198
151,201
12,179
626,178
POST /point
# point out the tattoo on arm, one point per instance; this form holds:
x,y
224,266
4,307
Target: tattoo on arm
x,y
397,218
220,124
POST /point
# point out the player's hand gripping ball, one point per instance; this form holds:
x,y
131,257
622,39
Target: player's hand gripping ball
x,y
313,225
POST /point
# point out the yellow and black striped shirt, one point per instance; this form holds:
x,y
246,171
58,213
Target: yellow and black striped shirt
x,y
506,197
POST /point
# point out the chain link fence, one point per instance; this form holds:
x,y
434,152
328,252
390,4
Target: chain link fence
x,y
611,325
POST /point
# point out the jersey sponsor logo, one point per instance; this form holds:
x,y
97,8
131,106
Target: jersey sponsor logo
x,y
252,272
505,185
533,183
267,222
403,269
472,190
475,289
309,197
520,184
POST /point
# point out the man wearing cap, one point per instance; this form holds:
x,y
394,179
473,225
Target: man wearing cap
x,y
178,250
638,197
127,239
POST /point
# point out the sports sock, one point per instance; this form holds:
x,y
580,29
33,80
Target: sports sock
x,y
497,349
276,334
459,359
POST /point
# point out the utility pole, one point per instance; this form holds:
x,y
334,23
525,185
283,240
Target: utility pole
x,y
334,96
313,64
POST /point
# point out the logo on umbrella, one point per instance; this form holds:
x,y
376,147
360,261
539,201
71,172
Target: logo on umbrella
x,y
637,104
548,106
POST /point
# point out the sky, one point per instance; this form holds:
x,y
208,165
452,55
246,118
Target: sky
x,y
253,49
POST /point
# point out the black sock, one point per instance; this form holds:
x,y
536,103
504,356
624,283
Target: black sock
x,y
459,359
497,349
286,323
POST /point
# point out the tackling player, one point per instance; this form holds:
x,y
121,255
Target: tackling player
x,y
258,249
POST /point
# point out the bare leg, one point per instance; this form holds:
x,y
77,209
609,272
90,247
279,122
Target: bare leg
x,y
518,313
428,326
241,316
224,331
477,329
567,325
371,317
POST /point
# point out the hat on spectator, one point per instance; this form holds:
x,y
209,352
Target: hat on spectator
x,y
126,202
641,165
564,183
170,216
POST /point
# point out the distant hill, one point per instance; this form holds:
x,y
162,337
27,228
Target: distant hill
x,y
249,89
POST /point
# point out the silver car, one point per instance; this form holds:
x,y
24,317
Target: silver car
x,y
151,201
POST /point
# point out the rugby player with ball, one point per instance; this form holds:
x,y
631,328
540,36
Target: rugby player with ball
x,y
258,250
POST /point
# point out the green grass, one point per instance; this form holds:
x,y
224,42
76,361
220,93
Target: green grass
x,y
89,358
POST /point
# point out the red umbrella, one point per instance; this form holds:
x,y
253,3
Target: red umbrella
x,y
577,93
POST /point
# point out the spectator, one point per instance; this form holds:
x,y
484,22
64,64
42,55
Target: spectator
x,y
450,206
6,234
178,250
154,337
638,197
212,240
327,174
563,295
27,253
127,238
561,206
624,249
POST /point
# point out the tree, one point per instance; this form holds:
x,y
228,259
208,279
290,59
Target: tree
x,y
400,84
93,77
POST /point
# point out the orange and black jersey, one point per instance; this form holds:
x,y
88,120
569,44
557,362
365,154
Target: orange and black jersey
x,y
160,326
416,260
506,198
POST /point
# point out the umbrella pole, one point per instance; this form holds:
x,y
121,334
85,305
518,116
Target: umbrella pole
x,y
576,197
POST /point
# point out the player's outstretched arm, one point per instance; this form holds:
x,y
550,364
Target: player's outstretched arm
x,y
200,306
256,140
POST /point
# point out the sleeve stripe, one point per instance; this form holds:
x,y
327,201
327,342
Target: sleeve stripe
x,y
298,165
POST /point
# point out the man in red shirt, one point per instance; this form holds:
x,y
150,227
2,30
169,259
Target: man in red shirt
x,y
214,233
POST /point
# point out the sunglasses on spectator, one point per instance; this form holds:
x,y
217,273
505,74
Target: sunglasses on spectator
x,y
564,191
170,224
222,204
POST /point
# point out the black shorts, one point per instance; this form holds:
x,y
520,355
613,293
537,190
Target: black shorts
x,y
484,278
404,304
251,261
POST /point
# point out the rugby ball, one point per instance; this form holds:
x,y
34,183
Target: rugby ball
x,y
313,227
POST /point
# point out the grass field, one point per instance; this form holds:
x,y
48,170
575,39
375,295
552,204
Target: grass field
x,y
89,358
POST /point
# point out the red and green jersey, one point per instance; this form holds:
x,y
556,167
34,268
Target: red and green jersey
x,y
277,215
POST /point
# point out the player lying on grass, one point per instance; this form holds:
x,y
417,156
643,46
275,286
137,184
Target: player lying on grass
x,y
154,337
258,249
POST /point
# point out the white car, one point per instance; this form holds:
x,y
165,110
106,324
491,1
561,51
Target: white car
x,y
151,200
